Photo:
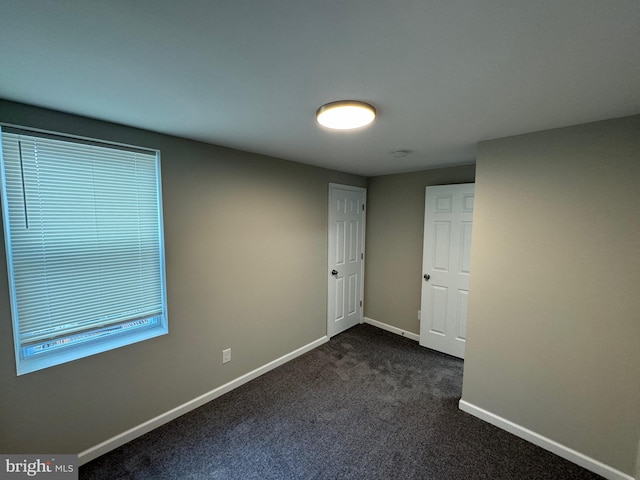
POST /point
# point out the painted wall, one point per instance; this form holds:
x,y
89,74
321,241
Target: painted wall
x,y
553,340
246,252
395,227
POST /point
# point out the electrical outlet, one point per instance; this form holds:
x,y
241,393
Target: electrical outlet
x,y
226,355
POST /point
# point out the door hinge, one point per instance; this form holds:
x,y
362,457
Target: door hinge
x,y
361,303
362,256
363,207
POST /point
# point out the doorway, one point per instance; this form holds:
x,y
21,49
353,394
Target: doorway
x,y
347,213
448,221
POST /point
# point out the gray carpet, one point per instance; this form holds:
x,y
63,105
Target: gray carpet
x,y
367,405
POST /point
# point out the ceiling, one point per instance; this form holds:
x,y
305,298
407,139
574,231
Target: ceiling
x,y
250,74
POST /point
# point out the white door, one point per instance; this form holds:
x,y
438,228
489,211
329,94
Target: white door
x,y
346,257
445,267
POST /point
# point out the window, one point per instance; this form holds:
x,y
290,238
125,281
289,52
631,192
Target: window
x,y
84,241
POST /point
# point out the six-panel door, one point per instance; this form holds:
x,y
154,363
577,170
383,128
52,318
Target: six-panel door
x,y
346,248
446,258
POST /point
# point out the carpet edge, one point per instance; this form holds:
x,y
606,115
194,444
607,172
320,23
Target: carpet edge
x,y
552,446
145,427
392,329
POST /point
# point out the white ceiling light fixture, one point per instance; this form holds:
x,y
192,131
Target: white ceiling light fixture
x,y
345,115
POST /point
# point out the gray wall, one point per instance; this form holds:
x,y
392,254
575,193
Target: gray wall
x,y
395,224
553,340
246,251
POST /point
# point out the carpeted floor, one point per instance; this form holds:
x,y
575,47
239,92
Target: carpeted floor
x,y
367,405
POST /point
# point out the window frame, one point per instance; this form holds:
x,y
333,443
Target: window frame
x,y
96,340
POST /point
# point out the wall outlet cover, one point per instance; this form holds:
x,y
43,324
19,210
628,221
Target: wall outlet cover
x,y
226,355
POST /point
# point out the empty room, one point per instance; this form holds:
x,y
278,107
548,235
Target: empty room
x,y
207,271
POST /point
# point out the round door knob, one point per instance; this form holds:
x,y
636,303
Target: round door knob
x,y
334,272
427,277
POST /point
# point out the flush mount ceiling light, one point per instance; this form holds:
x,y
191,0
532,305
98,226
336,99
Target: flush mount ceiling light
x,y
345,115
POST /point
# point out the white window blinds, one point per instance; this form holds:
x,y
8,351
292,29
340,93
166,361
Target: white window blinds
x,y
83,227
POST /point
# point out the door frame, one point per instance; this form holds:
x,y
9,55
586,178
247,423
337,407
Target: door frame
x,y
330,232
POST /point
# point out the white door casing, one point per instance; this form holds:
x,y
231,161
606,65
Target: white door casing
x,y
446,258
346,257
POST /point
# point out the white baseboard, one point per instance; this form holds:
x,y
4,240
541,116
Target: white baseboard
x,y
638,462
563,451
135,432
392,329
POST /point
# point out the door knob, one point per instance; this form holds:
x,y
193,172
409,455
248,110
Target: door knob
x,y
427,277
334,272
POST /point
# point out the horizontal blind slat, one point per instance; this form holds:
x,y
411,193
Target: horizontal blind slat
x,y
85,234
